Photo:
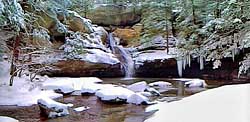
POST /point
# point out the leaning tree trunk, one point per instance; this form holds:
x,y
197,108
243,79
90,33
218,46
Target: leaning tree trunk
x,y
15,56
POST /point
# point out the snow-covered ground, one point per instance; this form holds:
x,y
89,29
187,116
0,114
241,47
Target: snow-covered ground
x,y
224,104
7,119
23,92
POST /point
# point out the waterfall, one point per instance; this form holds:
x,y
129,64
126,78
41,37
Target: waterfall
x,y
111,42
127,62
125,59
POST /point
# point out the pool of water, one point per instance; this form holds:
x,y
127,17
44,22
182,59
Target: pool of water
x,y
100,111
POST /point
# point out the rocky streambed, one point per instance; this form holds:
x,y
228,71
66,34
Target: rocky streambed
x,y
99,111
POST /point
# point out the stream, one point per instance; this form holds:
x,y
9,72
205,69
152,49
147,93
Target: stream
x,y
100,111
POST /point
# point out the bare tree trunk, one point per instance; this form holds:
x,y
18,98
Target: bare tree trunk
x,y
217,11
15,56
193,12
242,7
167,34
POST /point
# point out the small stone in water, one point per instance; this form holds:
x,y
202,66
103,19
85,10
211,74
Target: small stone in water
x,y
79,109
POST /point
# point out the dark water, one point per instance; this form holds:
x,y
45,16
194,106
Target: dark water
x,y
99,111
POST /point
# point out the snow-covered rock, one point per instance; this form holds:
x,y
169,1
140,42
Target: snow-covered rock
x,y
83,108
192,82
7,119
56,109
152,55
98,56
69,85
161,84
196,83
153,91
92,88
62,85
137,99
224,104
114,94
138,87
146,94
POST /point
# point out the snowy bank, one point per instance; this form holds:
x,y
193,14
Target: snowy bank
x,y
7,119
224,104
23,93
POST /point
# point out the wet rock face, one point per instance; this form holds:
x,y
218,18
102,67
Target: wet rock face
x,y
168,68
114,15
79,68
157,68
127,36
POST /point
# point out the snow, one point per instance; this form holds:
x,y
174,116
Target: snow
x,y
237,20
138,87
223,104
7,119
153,91
216,64
23,92
63,86
69,85
153,55
50,103
83,108
146,94
60,109
92,88
192,82
99,56
109,94
137,99
161,84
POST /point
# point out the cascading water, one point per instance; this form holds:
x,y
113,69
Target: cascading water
x,y
126,59
111,42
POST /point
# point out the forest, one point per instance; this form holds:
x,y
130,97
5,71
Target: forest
x,y
148,54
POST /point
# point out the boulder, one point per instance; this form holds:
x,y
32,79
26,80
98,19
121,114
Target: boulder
x,y
93,88
102,33
157,43
161,84
78,23
114,94
138,87
138,28
52,108
128,37
137,99
117,15
81,68
50,22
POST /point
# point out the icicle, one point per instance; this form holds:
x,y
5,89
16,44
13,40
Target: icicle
x,y
184,62
237,51
189,60
233,54
179,66
201,63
